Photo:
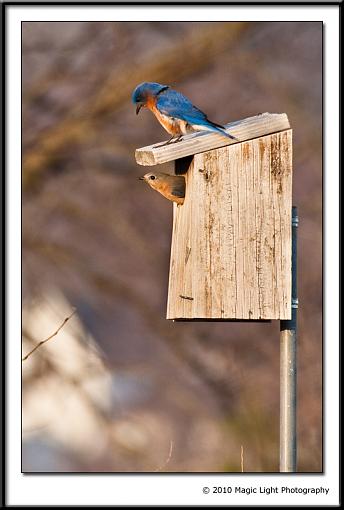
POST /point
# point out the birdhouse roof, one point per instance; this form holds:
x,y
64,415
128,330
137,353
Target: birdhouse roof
x,y
195,143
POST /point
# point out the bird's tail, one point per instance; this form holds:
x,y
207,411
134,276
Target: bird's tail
x,y
217,128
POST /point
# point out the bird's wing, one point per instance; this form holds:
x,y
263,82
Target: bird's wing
x,y
178,192
174,104
178,187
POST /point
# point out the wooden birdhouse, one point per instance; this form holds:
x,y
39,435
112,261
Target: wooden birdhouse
x,y
231,239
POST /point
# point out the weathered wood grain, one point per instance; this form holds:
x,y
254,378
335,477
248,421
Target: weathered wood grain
x,y
231,242
195,143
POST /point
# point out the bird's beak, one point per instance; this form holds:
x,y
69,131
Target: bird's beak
x,y
141,178
138,108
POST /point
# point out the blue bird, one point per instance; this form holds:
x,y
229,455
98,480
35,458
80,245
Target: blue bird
x,y
174,111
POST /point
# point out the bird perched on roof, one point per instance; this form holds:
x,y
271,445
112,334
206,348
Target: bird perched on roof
x,y
174,111
171,187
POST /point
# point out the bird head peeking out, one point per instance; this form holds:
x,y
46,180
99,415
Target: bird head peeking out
x,y
171,187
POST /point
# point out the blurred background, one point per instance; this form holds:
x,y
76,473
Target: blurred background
x,y
119,388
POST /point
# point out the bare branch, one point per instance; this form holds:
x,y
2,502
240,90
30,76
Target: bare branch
x,y
168,458
242,458
49,337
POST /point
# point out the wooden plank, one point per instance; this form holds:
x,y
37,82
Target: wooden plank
x,y
231,243
195,143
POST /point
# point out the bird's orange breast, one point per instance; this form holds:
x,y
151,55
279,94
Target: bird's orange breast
x,y
165,189
171,125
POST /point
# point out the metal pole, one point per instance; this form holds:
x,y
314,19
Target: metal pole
x,y
288,330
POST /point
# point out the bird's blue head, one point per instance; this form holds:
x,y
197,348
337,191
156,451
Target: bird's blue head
x,y
144,91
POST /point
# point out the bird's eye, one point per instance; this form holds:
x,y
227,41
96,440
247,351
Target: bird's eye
x,y
152,177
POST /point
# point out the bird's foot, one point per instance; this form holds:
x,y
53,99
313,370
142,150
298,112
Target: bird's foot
x,y
179,139
163,144
171,140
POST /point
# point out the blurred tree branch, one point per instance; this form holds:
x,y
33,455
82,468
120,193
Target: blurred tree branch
x,y
49,337
81,124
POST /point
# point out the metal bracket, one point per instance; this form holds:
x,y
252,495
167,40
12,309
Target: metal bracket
x,y
295,303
